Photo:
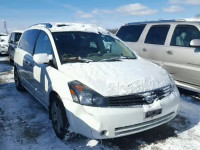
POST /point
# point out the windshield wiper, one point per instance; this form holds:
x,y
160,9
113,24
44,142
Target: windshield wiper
x,y
127,57
111,59
76,59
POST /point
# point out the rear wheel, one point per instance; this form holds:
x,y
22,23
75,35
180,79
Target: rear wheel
x,y
10,60
18,84
58,117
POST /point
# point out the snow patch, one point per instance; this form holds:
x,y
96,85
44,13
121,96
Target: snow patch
x,y
3,58
92,143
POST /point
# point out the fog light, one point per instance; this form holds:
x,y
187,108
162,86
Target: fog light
x,y
102,133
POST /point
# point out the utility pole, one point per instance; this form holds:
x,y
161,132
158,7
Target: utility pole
x,y
5,26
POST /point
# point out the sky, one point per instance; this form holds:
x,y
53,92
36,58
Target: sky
x,y
20,14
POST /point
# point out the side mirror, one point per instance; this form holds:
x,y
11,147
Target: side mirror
x,y
195,43
42,58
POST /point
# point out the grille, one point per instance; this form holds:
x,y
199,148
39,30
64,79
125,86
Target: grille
x,y
140,98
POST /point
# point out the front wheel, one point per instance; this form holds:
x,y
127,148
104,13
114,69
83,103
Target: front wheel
x,y
58,117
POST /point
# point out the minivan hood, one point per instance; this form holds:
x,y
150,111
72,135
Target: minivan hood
x,y
119,77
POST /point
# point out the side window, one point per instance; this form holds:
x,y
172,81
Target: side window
x,y
130,33
183,34
17,36
43,44
157,34
28,40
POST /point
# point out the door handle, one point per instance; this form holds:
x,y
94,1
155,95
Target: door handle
x,y
144,49
169,52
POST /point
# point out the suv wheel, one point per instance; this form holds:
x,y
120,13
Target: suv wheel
x,y
18,84
58,117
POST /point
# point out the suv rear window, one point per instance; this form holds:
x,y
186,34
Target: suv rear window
x,y
157,34
130,33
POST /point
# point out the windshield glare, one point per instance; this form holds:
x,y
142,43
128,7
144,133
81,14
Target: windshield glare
x,y
89,46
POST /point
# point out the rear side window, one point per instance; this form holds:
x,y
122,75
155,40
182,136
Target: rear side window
x,y
157,34
183,34
28,40
130,33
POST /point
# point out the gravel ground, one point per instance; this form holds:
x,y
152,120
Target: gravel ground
x,y
24,124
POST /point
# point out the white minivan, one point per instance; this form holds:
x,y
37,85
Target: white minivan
x,y
91,82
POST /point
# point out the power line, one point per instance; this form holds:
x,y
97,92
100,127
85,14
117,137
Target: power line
x,y
5,26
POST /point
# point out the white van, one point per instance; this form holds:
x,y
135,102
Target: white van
x,y
91,83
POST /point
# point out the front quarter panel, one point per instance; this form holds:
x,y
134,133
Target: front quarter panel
x,y
59,84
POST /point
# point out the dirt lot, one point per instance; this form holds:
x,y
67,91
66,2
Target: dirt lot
x,y
24,124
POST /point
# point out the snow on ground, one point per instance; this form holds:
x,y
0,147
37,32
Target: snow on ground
x,y
24,124
3,58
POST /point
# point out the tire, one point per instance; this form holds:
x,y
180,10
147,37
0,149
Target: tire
x,y
18,84
10,60
58,117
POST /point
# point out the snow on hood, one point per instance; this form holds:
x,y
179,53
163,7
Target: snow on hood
x,y
119,77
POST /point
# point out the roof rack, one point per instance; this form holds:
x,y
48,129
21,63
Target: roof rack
x,y
59,25
157,21
47,25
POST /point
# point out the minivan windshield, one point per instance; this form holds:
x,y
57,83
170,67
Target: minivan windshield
x,y
87,47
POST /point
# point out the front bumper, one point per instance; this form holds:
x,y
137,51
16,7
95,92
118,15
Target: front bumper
x,y
112,122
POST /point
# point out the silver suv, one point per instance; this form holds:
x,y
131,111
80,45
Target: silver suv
x,y
172,44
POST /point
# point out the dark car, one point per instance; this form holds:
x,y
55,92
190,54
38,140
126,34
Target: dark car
x,y
13,40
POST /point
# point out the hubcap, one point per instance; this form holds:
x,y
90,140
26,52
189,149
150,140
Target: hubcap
x,y
57,117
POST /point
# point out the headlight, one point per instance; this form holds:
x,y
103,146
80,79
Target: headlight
x,y
85,96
